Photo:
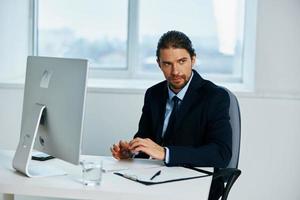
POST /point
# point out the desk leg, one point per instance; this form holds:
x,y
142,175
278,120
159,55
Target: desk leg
x,y
8,197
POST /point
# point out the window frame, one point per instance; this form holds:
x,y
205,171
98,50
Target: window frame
x,y
242,81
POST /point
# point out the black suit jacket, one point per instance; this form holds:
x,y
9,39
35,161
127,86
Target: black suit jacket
x,y
203,134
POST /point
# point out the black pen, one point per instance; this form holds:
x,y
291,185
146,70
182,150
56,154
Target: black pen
x,y
155,175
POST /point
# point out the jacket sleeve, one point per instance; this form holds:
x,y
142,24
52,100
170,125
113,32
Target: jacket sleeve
x,y
145,128
216,152
145,123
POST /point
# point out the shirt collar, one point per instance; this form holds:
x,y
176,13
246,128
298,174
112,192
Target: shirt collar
x,y
182,92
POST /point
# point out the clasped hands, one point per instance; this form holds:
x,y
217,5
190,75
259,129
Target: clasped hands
x,y
125,150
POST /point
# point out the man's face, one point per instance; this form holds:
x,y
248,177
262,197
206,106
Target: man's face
x,y
176,64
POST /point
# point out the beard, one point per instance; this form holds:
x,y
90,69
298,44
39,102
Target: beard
x,y
178,82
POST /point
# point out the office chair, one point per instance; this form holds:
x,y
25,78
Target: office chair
x,y
231,173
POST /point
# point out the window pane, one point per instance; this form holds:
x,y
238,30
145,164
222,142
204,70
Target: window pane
x,y
92,29
214,27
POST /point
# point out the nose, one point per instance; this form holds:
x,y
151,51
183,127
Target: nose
x,y
175,70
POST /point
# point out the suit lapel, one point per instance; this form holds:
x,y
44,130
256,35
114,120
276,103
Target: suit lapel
x,y
160,118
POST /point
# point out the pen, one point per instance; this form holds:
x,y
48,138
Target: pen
x,y
155,175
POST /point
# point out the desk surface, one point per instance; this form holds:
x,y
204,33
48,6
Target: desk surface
x,y
112,186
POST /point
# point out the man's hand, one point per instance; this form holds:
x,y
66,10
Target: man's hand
x,y
147,146
121,150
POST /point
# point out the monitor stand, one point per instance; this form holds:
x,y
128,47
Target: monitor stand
x,y
22,159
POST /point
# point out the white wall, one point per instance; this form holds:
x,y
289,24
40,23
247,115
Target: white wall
x,y
270,154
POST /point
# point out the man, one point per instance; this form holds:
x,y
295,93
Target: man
x,y
185,119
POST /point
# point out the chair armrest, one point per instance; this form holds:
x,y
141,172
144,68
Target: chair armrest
x,y
226,173
229,175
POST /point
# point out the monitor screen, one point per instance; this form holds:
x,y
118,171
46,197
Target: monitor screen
x,y
53,109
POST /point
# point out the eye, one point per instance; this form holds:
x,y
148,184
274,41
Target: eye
x,y
166,64
182,61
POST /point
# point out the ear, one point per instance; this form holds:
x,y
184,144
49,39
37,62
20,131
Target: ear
x,y
193,61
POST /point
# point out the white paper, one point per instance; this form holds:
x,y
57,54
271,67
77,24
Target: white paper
x,y
110,165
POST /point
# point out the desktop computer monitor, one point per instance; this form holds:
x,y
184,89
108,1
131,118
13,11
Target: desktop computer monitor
x,y
53,112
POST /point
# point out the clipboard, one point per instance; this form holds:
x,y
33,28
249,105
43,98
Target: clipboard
x,y
167,175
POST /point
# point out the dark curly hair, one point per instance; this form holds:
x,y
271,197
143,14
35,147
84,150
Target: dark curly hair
x,y
175,39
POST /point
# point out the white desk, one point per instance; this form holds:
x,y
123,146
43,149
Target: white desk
x,y
112,186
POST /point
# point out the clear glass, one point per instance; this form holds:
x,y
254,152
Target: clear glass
x,y
215,28
90,29
91,172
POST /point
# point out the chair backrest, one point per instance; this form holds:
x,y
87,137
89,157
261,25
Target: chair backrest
x,y
235,121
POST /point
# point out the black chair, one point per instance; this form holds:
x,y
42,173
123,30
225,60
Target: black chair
x,y
231,173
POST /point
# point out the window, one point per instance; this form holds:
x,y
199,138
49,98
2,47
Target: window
x,y
81,29
119,37
211,25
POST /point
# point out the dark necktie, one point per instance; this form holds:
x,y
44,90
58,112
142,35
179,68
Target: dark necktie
x,y
172,119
